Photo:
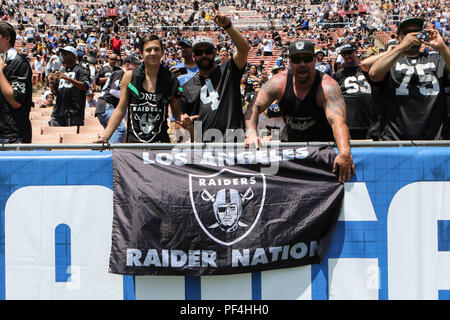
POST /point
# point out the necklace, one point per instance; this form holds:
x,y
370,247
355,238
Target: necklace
x,y
413,61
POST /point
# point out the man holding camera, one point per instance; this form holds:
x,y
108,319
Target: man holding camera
x,y
413,82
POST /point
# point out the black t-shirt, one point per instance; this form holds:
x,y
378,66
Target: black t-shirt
x,y
110,92
362,112
15,124
305,119
105,71
415,100
217,99
148,111
68,97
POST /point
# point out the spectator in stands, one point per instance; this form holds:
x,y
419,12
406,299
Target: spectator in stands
x,y
116,44
145,95
256,40
321,65
188,62
70,87
251,81
49,99
91,102
224,55
201,93
38,63
311,103
15,90
413,84
105,71
362,111
267,45
53,65
109,98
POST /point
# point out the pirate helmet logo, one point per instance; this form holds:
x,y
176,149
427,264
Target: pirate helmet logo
x,y
228,205
222,208
299,45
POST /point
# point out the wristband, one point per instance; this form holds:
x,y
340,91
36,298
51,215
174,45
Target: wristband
x,y
228,26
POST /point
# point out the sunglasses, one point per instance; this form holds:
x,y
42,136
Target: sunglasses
x,y
199,52
298,59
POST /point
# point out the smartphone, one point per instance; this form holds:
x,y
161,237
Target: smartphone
x,y
216,6
423,35
183,70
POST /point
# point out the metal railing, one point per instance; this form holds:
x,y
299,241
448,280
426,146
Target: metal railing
x,y
168,146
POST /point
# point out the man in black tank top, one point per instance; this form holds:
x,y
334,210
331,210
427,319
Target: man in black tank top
x,y
311,103
146,93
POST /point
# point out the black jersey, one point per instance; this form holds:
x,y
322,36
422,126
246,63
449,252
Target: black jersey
x,y
110,92
70,99
105,71
414,93
361,109
216,99
305,119
148,111
15,125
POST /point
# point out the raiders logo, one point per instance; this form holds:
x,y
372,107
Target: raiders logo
x,y
300,45
146,120
228,204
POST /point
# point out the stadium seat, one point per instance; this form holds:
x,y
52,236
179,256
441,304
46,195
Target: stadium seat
x,y
59,130
46,138
78,138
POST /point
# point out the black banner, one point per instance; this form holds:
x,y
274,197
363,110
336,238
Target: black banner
x,y
203,212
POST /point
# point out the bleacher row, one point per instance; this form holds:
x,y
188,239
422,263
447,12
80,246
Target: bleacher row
x,y
42,133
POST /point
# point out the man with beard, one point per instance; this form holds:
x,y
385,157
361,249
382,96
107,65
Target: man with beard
x,y
311,103
412,83
362,112
145,95
69,87
214,92
107,69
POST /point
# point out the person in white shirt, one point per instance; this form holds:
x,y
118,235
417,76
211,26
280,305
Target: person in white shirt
x,y
267,45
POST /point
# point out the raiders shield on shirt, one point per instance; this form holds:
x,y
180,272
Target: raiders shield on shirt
x,y
305,119
15,124
216,99
148,111
415,99
71,101
110,93
361,109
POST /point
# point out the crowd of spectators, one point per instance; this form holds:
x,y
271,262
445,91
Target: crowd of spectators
x,y
96,29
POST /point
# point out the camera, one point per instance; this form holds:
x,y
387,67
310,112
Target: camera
x,y
423,35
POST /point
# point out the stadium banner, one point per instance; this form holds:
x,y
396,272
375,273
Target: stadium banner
x,y
208,212
391,241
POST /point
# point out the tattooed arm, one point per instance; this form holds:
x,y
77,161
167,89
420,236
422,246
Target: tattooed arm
x,y
330,98
271,90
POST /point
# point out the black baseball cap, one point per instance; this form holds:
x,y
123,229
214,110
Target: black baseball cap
x,y
301,46
186,41
416,21
131,59
347,47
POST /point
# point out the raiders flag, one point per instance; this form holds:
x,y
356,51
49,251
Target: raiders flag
x,y
204,212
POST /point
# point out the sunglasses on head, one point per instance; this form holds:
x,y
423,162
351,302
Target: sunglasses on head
x,y
199,52
298,59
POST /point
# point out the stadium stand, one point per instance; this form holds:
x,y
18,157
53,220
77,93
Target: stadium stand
x,y
45,26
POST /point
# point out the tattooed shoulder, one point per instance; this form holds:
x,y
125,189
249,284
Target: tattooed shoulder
x,y
330,96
